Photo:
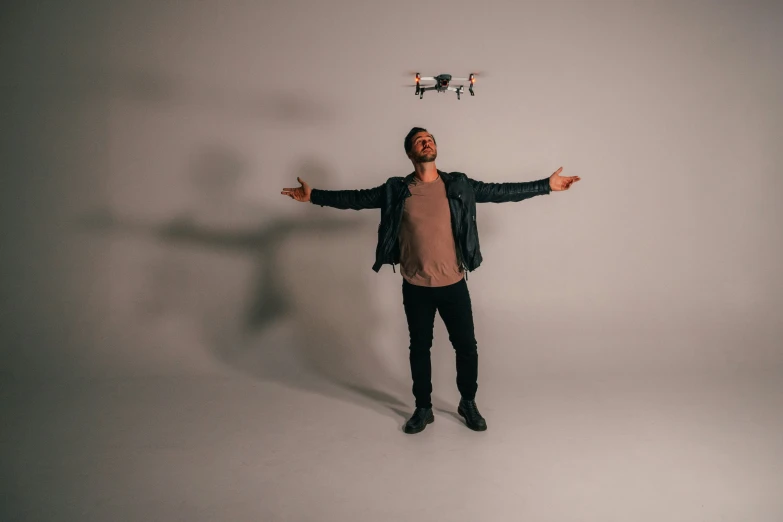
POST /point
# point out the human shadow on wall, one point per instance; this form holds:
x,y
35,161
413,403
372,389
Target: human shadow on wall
x,y
307,288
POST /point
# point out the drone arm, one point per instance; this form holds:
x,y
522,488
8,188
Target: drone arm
x,y
508,192
348,199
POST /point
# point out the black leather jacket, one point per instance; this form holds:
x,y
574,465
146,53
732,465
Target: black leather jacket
x,y
463,194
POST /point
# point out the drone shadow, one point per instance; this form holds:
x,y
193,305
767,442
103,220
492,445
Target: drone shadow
x,y
91,82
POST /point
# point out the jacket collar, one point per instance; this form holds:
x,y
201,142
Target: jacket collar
x,y
445,176
452,191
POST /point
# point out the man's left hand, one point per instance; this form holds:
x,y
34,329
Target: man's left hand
x,y
558,182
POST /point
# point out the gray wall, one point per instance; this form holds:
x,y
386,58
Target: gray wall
x,y
145,146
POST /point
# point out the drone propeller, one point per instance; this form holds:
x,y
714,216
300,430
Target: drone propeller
x,y
472,77
417,74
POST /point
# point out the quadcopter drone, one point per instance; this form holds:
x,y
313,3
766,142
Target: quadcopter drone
x,y
442,84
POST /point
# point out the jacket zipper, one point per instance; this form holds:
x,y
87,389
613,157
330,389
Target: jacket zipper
x,y
399,221
458,240
466,268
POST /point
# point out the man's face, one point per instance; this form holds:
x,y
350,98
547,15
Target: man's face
x,y
423,148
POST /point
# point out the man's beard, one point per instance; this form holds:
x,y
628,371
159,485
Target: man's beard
x,y
426,157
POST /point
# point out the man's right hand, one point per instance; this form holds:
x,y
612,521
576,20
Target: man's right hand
x,y
300,193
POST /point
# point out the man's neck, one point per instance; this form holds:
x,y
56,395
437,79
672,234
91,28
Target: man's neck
x,y
426,172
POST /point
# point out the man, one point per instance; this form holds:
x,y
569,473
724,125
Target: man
x,y
428,227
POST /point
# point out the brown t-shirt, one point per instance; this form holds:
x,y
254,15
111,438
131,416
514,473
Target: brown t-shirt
x,y
428,255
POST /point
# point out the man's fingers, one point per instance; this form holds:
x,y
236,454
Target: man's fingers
x,y
558,171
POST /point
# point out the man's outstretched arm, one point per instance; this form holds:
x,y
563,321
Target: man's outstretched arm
x,y
342,199
512,192
348,199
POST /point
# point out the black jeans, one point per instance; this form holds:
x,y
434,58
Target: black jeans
x,y
453,304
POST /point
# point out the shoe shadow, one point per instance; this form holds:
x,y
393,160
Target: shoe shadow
x,y
380,398
450,413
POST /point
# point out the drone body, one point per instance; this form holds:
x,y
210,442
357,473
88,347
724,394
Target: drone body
x,y
443,84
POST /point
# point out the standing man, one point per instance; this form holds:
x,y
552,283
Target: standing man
x,y
428,227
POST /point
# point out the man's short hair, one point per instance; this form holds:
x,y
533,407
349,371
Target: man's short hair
x,y
411,134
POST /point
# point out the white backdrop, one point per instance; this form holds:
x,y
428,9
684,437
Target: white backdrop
x,y
144,231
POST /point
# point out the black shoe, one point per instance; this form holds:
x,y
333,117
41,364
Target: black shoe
x,y
419,420
473,418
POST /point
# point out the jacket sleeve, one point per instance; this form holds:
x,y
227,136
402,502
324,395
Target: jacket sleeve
x,y
348,199
508,192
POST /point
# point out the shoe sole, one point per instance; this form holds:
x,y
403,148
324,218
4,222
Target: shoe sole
x,y
469,425
412,432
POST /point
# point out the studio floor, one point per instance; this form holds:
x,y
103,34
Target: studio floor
x,y
229,448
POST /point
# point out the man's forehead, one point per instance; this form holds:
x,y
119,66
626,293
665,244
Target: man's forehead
x,y
422,134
